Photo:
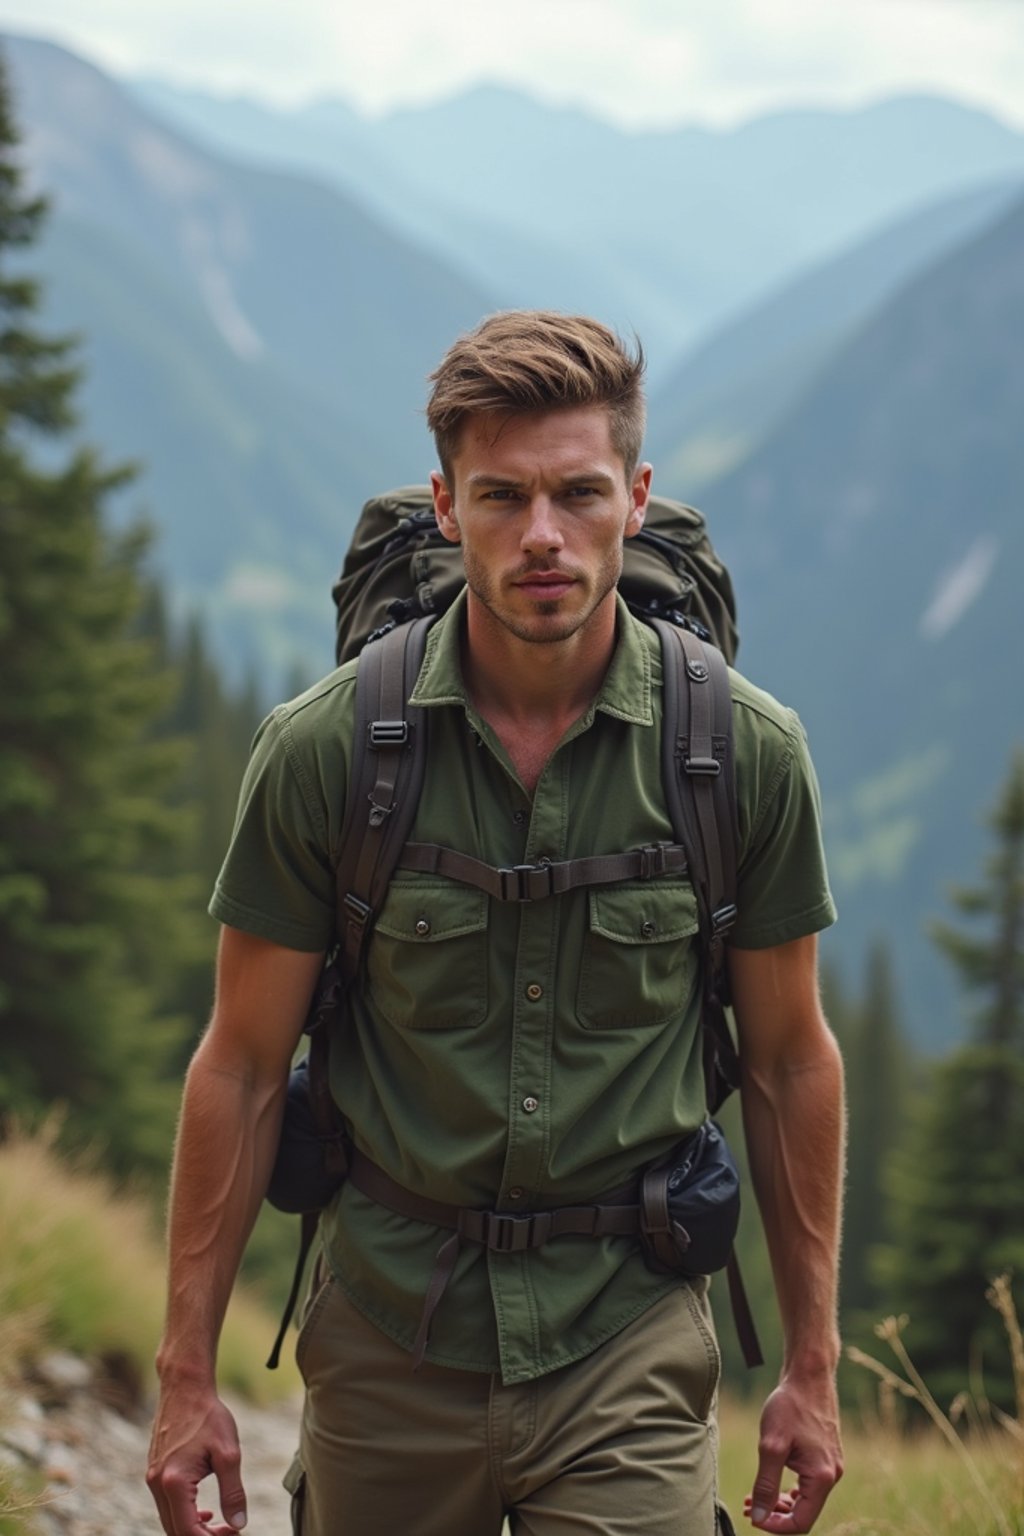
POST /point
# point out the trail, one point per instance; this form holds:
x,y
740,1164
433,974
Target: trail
x,y
93,1462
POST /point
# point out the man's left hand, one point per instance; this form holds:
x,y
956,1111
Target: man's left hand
x,y
799,1430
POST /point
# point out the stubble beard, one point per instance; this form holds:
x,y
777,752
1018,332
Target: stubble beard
x,y
484,589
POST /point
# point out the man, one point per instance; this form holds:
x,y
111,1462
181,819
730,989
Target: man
x,y
514,1057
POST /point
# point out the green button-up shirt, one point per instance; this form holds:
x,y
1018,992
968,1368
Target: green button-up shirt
x,y
516,1056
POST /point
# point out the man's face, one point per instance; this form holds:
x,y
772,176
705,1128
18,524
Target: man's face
x,y
540,504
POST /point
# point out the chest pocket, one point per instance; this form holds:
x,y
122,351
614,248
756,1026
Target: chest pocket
x,y
640,954
427,961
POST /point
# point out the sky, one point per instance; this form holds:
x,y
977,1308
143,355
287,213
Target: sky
x,y
641,63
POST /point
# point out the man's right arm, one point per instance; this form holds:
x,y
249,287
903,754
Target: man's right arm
x,y
227,1140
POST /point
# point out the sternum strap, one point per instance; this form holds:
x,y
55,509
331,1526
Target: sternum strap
x,y
534,882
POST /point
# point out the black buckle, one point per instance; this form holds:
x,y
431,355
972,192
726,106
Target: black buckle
x,y
723,919
514,1234
652,860
516,884
357,910
388,733
708,766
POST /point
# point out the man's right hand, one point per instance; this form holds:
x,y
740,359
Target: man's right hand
x,y
194,1435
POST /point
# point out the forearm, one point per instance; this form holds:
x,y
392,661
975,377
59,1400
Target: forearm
x,y
227,1138
795,1128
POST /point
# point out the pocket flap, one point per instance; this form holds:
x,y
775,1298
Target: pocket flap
x,y
644,912
427,911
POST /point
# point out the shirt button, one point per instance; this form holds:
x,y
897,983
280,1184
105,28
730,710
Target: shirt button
x,y
534,992
648,929
422,927
531,1104
515,1194
519,818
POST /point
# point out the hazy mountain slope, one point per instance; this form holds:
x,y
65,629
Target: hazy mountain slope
x,y
519,262
668,232
257,340
287,269
252,487
711,411
709,219
877,540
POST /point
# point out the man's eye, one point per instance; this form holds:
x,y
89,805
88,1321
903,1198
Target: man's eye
x,y
501,493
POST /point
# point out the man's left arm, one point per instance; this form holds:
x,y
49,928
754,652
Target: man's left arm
x,y
793,1117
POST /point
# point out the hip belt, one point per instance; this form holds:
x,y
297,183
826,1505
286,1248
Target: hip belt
x,y
616,1214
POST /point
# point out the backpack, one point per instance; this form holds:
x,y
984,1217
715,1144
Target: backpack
x,y
399,573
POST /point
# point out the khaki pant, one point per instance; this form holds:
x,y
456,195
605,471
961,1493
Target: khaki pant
x,y
623,1441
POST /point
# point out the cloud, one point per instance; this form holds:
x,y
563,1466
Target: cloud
x,y
638,61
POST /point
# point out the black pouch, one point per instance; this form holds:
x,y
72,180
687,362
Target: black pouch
x,y
310,1163
690,1206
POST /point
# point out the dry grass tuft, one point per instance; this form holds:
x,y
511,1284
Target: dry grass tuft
x,y
83,1270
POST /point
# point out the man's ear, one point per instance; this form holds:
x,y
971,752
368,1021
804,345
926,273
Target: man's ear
x,y
640,495
444,508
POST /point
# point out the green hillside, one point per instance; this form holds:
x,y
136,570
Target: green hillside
x,y
878,537
669,232
257,340
723,399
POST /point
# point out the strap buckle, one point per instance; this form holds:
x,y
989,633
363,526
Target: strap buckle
x,y
357,910
709,767
652,860
526,882
388,733
514,1234
724,919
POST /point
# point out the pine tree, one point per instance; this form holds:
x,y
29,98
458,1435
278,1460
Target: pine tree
x,y
91,912
877,1081
958,1190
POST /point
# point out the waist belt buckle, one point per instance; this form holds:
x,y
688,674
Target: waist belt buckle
x,y
526,882
514,1234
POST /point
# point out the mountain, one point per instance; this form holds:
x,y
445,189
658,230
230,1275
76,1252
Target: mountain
x,y
668,232
258,338
724,397
877,536
519,263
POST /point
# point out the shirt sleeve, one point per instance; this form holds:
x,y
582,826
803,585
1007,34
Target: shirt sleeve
x,y
783,889
277,880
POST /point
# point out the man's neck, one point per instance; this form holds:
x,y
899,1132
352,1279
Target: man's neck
x,y
520,682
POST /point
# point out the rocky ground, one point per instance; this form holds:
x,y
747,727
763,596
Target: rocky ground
x,y
59,1431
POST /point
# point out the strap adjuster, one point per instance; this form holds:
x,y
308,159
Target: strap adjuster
x,y
526,882
357,910
388,733
723,919
709,767
503,1233
652,860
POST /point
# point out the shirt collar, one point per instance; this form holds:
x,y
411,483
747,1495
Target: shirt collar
x,y
624,693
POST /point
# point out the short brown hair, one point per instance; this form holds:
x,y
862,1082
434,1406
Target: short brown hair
x,y
538,360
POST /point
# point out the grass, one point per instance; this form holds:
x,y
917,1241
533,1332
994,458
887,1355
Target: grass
x,y
83,1270
960,1475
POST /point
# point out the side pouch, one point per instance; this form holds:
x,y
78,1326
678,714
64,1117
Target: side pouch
x,y
690,1206
310,1164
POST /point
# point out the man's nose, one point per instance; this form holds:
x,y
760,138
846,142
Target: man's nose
x,y
542,531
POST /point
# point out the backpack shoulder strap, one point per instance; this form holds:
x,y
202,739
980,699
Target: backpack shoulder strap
x,y
389,754
699,776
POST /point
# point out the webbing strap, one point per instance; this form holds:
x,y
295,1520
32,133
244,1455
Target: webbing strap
x,y
310,1221
742,1316
699,776
535,882
389,760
